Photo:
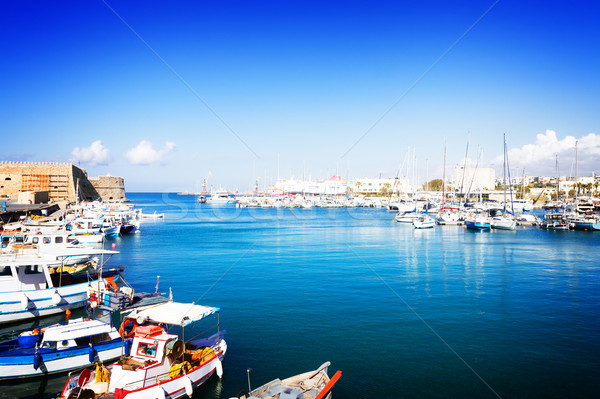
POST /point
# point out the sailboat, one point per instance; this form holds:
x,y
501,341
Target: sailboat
x,y
555,220
506,220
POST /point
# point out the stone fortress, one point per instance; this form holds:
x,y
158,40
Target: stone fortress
x,y
61,182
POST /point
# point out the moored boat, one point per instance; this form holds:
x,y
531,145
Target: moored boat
x,y
554,221
424,222
478,222
28,288
160,364
59,348
314,384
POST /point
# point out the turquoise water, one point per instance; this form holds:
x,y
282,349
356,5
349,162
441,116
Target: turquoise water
x,y
402,312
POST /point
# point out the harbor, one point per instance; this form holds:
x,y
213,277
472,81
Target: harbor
x,y
299,285
299,200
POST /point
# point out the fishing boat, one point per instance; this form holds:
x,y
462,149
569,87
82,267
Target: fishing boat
x,y
314,384
29,290
59,348
424,222
160,364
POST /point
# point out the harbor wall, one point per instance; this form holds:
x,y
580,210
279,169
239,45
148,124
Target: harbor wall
x,y
62,181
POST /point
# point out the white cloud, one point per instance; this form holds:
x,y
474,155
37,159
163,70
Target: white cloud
x,y
539,158
145,154
95,154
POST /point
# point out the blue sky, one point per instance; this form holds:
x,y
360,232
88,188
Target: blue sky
x,y
239,85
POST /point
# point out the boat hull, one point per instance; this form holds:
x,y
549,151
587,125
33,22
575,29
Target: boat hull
x,y
16,306
176,388
57,361
478,226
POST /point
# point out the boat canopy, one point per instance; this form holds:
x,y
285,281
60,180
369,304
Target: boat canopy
x,y
76,329
174,313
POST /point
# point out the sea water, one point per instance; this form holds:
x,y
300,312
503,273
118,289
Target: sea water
x,y
443,312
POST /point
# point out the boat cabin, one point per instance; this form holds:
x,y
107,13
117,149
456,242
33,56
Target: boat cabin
x,y
78,332
148,361
17,275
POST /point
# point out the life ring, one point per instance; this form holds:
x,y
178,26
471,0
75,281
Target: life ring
x,y
127,329
110,282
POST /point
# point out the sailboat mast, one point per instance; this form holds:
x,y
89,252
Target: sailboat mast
x,y
576,171
504,173
444,179
557,180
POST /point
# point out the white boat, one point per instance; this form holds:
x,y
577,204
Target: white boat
x,y
406,217
449,216
51,244
314,384
59,348
160,364
153,215
29,290
220,197
527,220
503,222
423,222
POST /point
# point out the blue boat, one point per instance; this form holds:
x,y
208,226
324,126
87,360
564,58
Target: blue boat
x,y
480,223
60,348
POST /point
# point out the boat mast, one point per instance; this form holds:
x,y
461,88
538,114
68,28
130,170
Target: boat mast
x,y
504,173
576,174
557,180
444,179
464,166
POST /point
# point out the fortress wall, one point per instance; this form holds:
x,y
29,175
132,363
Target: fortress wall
x,y
59,179
110,188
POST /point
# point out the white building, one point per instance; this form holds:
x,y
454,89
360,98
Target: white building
x,y
375,186
335,185
473,179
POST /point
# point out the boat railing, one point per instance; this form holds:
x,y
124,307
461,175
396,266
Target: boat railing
x,y
165,377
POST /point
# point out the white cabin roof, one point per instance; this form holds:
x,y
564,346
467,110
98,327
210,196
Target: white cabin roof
x,y
174,313
51,258
76,329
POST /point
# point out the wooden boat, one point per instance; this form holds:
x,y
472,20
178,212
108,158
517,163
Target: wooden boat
x,y
59,348
161,365
314,384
